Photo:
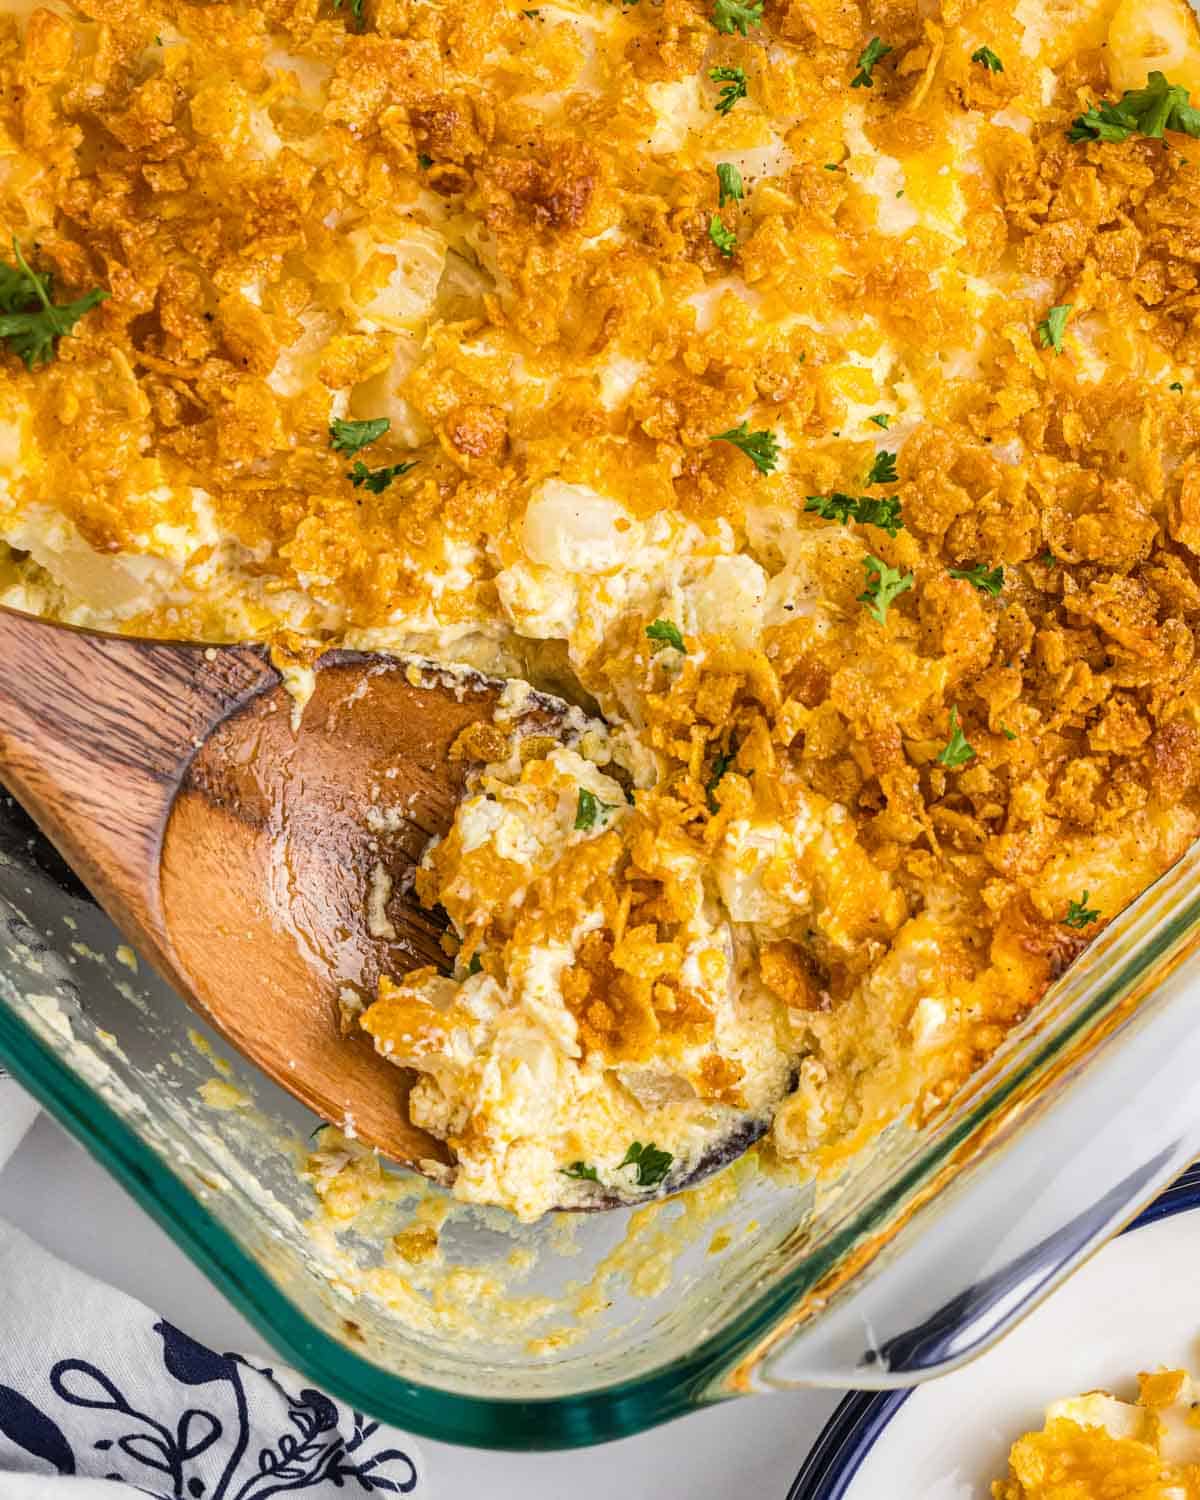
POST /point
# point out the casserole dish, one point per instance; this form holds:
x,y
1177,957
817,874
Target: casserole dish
x,y
566,1333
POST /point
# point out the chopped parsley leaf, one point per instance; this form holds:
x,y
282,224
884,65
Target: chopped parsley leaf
x,y
1007,733
729,16
651,1163
376,480
588,809
349,437
1053,326
729,181
1176,385
869,510
735,88
581,1171
760,447
424,162
956,752
987,582
832,166
881,419
884,584
666,633
1149,111
1048,560
721,764
475,966
883,470
1079,915
988,59
875,510
356,10
722,237
873,52
30,330
835,507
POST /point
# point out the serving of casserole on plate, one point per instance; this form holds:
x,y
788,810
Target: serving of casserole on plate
x,y
809,389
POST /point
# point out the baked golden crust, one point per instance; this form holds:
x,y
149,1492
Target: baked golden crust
x,y
1096,1444
494,225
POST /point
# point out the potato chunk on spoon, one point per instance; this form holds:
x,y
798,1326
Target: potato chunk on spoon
x,y
231,845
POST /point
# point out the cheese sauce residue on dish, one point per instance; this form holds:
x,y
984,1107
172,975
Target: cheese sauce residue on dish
x,y
1097,1445
786,379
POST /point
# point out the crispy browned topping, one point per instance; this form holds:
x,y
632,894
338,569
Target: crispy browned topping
x,y
495,226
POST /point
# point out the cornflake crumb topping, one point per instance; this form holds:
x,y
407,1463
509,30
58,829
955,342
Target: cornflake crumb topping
x,y
814,401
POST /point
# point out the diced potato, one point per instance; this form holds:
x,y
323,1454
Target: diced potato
x,y
1155,35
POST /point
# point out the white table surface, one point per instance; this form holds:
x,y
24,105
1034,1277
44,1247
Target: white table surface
x,y
752,1447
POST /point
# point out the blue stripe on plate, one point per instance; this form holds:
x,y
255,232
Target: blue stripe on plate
x,y
848,1436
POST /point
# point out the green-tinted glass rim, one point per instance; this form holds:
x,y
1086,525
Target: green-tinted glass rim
x,y
614,1411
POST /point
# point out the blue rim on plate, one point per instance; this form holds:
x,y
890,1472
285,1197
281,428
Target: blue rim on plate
x,y
854,1428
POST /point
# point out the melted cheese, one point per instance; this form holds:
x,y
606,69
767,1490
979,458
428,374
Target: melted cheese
x,y
624,448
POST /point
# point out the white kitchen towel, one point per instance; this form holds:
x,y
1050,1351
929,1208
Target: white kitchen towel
x,y
17,1111
93,1385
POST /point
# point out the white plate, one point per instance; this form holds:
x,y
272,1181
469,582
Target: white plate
x,y
1134,1306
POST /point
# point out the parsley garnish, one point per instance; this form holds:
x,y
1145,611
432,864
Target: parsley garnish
x,y
883,470
988,59
881,419
721,764
475,966
1053,326
30,330
873,52
957,752
886,585
588,809
1007,733
724,239
666,633
376,480
869,510
760,447
1048,560
581,1171
1079,916
1159,107
835,507
1176,385
356,10
734,80
349,437
979,576
424,162
651,1163
729,16
729,181
874,510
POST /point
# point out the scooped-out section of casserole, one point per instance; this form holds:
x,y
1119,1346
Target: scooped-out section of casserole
x,y
807,388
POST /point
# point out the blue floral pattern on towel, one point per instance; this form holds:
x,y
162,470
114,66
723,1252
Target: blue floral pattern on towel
x,y
204,1426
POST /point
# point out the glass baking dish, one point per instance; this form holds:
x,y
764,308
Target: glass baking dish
x,y
584,1328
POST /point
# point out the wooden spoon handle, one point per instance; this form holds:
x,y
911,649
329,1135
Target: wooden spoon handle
x,y
96,732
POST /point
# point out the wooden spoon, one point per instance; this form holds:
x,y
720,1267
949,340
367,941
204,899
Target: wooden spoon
x,y
234,852
233,843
